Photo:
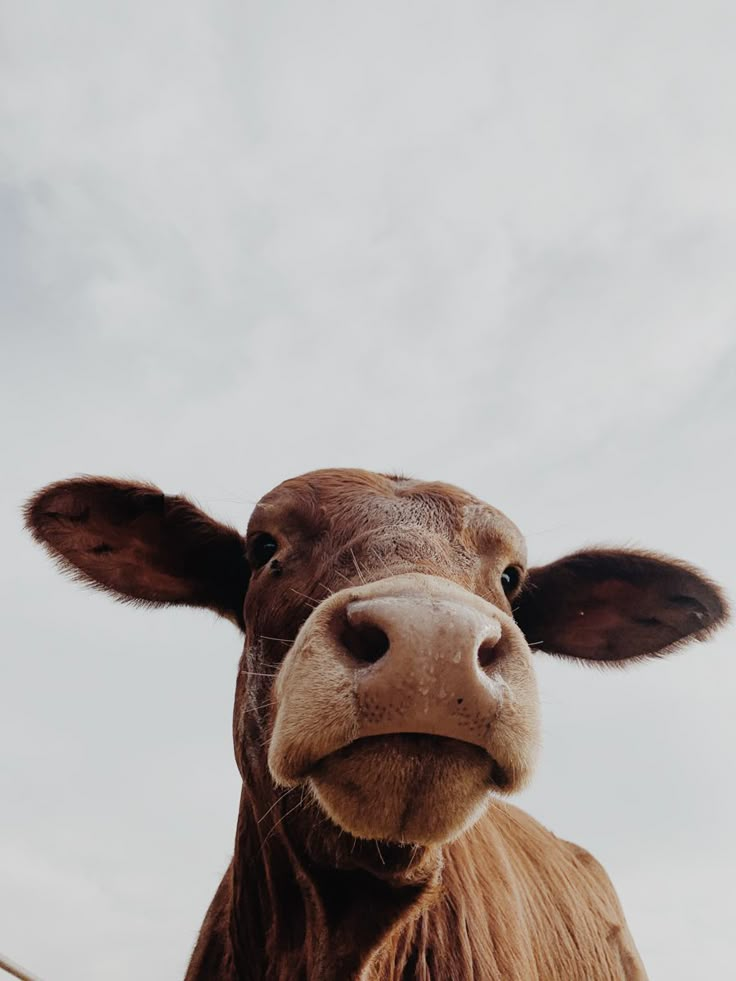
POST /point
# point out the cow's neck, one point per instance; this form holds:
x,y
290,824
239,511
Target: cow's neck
x,y
293,918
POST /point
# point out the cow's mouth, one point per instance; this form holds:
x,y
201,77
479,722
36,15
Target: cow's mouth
x,y
422,747
406,788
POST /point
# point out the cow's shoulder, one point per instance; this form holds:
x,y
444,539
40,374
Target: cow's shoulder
x,y
534,905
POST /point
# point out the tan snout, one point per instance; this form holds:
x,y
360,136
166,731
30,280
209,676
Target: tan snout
x,y
408,654
425,662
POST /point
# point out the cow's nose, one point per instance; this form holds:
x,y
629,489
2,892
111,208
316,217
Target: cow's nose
x,y
409,630
425,664
409,654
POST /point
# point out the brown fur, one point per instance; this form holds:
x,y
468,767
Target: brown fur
x,y
303,898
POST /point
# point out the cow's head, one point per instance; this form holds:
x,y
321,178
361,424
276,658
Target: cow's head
x,y
390,629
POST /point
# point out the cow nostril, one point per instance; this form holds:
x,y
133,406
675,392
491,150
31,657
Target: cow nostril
x,y
365,642
488,653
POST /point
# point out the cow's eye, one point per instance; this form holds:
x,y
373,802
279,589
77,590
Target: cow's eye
x,y
262,548
510,579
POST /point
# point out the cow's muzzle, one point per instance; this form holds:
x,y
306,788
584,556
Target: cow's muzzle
x,y
409,656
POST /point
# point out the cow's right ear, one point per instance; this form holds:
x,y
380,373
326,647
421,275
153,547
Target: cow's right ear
x,y
141,545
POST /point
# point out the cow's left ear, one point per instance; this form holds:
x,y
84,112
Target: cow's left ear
x,y
609,605
139,544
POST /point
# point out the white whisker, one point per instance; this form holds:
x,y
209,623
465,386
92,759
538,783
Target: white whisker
x,y
298,804
277,801
310,599
357,567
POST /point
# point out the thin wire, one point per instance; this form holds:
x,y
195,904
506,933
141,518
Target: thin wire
x,y
15,970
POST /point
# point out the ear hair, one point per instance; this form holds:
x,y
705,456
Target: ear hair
x,y
140,545
615,605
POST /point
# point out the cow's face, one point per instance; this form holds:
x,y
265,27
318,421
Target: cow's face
x,y
386,678
381,644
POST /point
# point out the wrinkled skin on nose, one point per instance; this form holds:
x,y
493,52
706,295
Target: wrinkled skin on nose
x,y
401,690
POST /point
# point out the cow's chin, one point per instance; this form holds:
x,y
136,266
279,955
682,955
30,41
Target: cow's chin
x,y
409,789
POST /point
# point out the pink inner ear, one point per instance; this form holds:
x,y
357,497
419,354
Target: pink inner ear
x,y
122,555
111,533
593,624
132,540
597,617
614,602
616,620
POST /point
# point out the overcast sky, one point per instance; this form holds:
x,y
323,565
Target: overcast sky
x,y
487,243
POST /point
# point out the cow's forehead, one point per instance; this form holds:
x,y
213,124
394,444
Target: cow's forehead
x,y
351,498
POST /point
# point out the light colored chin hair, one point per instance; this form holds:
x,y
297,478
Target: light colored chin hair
x,y
382,791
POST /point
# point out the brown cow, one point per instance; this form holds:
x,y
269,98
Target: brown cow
x,y
385,698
